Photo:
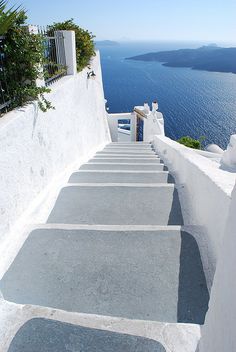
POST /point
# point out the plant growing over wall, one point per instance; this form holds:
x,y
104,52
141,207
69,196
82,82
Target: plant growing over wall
x,y
24,55
85,48
191,142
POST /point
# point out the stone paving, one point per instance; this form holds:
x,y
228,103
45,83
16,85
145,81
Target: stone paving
x,y
112,246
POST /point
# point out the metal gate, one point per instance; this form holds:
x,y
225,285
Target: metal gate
x,y
139,133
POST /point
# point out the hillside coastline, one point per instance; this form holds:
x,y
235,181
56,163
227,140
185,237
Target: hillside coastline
x,y
208,58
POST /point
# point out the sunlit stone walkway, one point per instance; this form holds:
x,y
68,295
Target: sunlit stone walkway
x,y
113,247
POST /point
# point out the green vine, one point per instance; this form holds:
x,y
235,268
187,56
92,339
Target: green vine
x,y
24,57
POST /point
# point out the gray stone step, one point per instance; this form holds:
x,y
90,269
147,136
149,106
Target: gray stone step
x,y
125,160
123,166
129,144
120,177
118,204
144,148
148,275
122,155
28,325
104,156
130,151
44,335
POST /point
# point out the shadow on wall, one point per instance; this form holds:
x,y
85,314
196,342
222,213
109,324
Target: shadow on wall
x,y
193,296
44,335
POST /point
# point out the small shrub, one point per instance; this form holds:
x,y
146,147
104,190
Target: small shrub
x,y
85,48
24,56
190,142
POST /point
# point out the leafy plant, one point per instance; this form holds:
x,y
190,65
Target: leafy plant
x,y
24,55
85,48
7,17
191,142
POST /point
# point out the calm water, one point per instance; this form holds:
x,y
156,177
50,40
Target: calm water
x,y
194,103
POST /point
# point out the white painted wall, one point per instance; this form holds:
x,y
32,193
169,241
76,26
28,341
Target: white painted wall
x,y
228,160
153,125
205,190
218,333
37,147
113,124
70,51
123,135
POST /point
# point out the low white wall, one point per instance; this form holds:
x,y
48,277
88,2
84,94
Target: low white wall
x,y
205,190
36,147
218,333
113,124
153,125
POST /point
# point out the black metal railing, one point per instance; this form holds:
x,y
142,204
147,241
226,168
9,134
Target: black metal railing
x,y
5,101
55,57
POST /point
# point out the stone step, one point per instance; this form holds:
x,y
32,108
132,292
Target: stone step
x,y
125,160
130,151
129,144
128,147
101,176
150,157
148,275
123,166
42,329
118,204
124,155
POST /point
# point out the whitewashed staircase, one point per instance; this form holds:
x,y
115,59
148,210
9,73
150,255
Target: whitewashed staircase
x,y
113,268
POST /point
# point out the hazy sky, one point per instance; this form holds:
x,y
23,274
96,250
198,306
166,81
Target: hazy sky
x,y
204,20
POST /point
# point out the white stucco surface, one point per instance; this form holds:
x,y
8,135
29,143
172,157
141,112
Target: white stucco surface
x,y
113,125
153,125
205,191
123,135
214,148
228,160
38,149
218,333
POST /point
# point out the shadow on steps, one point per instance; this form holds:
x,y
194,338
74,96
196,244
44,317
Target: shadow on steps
x,y
193,296
175,215
44,335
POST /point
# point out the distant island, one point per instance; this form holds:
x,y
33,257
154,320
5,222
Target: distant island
x,y
208,58
106,43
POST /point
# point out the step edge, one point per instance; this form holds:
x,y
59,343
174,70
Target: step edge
x,y
92,163
108,228
123,171
117,184
16,315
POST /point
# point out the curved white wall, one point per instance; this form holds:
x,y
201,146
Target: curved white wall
x,y
206,191
218,333
36,147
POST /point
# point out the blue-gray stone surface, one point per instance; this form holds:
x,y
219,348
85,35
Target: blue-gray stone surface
x,y
148,275
118,205
44,335
120,177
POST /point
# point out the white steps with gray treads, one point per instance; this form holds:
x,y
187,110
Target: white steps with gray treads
x,y
113,269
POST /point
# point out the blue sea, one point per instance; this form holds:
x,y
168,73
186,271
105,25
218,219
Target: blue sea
x,y
194,103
